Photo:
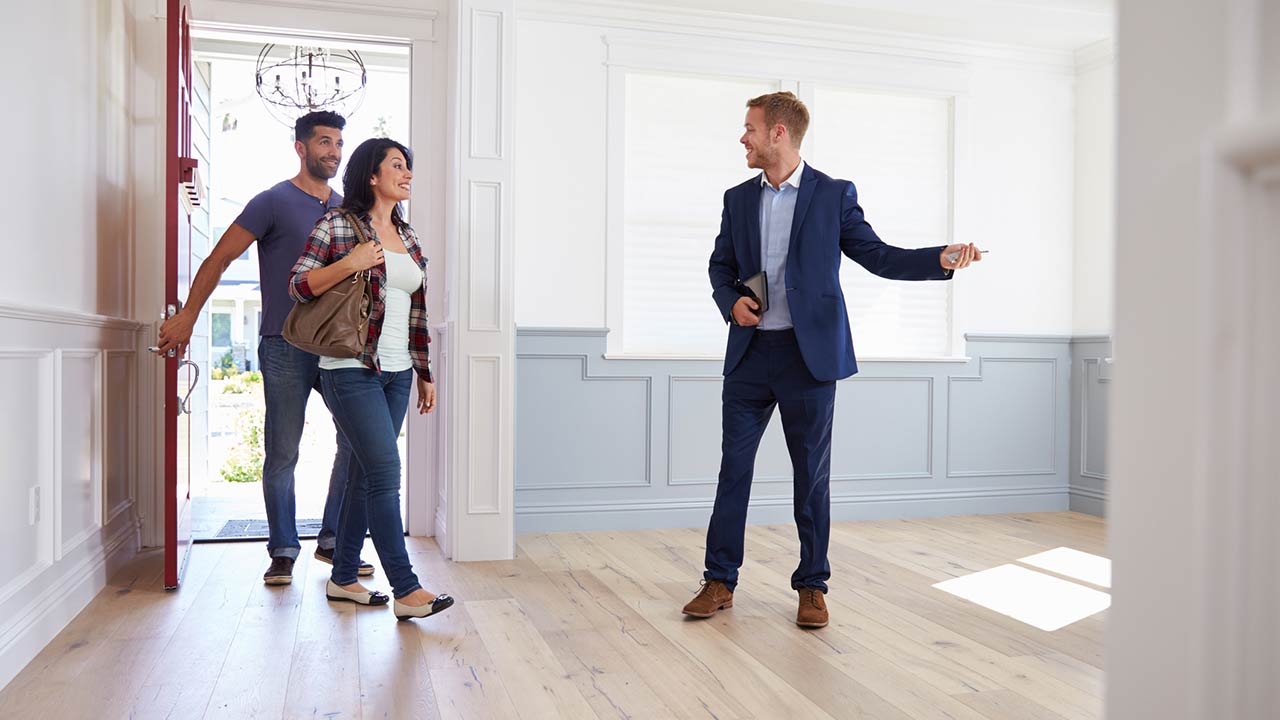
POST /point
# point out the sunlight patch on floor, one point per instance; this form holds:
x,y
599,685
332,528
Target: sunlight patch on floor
x,y
1037,599
1065,561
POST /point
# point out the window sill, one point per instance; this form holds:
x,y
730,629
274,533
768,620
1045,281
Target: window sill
x,y
720,358
941,359
658,356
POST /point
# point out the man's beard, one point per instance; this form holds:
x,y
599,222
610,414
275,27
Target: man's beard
x,y
318,169
760,158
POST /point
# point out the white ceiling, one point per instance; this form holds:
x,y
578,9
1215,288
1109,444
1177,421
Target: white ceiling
x,y
1047,24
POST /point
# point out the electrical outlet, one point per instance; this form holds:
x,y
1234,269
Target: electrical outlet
x,y
33,506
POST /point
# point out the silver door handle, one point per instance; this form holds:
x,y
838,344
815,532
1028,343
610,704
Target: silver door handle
x,y
169,311
184,405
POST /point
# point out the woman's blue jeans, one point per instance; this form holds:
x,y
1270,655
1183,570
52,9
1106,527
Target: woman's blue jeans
x,y
369,408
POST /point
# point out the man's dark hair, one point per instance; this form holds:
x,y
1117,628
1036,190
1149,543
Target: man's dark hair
x,y
357,193
306,125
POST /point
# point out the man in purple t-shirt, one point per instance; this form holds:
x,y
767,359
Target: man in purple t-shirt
x,y
281,219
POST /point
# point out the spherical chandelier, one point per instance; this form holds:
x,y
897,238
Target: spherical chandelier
x,y
310,78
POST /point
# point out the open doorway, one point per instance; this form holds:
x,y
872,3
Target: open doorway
x,y
245,146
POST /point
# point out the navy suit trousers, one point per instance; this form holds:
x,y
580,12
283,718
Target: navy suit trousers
x,y
772,372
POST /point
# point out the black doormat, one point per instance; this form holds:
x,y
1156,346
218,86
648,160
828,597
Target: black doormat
x,y
258,528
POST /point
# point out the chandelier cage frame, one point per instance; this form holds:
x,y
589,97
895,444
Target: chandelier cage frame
x,y
309,78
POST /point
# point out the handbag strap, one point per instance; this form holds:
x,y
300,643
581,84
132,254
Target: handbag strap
x,y
361,236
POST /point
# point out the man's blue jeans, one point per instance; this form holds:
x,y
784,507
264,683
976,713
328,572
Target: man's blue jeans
x,y
288,377
369,409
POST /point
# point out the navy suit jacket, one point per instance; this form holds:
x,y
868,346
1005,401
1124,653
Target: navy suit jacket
x,y
827,222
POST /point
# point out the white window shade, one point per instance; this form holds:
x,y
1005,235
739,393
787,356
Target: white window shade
x,y
897,151
682,153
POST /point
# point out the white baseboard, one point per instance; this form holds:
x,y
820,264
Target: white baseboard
x,y
51,608
1090,501
694,512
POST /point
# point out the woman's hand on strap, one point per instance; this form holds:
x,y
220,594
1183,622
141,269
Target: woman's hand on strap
x,y
364,256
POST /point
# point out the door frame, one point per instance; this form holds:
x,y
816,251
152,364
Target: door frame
x,y
417,27
1193,632
179,169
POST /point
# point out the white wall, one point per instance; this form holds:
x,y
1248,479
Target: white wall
x,y
67,157
1017,202
560,173
1095,157
68,347
1017,197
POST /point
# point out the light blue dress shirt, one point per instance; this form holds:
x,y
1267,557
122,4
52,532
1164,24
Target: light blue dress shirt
x,y
777,209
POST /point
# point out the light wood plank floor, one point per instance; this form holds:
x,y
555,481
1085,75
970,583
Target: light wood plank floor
x,y
586,625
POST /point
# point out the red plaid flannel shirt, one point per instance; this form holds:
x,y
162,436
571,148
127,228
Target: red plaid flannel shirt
x,y
330,241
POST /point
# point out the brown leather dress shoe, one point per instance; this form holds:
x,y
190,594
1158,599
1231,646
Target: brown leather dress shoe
x,y
813,608
713,597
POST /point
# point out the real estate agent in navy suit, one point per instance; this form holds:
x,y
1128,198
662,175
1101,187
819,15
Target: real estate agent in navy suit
x,y
792,222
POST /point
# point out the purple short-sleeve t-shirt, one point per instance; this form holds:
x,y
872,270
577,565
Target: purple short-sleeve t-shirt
x,y
282,218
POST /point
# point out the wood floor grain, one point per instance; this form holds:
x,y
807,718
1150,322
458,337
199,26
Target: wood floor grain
x,y
586,625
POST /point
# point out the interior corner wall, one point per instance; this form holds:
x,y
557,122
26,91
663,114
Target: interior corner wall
x,y
1095,160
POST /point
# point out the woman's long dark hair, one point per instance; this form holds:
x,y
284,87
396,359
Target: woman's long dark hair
x,y
357,193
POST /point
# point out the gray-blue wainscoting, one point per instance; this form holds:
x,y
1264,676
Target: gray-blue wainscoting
x,y
1090,403
631,443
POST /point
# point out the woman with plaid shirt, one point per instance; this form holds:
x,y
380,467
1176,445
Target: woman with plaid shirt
x,y
369,395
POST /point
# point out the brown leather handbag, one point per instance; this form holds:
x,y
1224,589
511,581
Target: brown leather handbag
x,y
335,324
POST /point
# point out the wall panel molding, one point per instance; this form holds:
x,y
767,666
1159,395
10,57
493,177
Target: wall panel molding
x,y
414,19
592,383
484,262
33,619
926,420
704,25
90,401
785,500
563,332
1091,374
119,403
484,380
487,78
640,514
897,467
841,65
440,446
1018,338
479,280
673,480
60,316
29,448
1050,411
55,366
1095,55
1090,466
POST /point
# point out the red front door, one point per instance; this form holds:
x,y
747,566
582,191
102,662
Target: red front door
x,y
180,374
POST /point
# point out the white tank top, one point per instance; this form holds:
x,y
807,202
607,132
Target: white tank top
x,y
404,278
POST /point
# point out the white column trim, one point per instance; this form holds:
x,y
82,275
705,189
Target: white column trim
x,y
1237,630
477,521
1193,631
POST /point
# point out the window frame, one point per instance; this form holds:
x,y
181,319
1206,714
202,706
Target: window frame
x,y
799,70
230,315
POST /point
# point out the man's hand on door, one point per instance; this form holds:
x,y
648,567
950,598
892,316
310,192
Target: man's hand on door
x,y
176,333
